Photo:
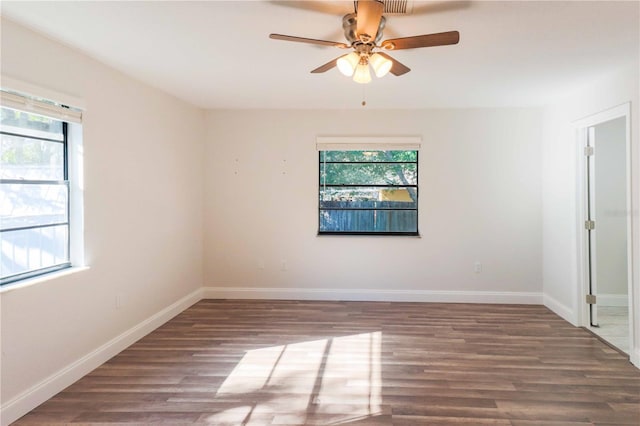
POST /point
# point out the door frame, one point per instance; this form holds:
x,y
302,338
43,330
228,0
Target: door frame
x,y
591,266
581,128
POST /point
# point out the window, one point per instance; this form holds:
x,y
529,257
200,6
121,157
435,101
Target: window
x,y
34,188
368,191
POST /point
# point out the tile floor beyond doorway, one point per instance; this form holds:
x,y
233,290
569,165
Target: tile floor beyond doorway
x,y
614,326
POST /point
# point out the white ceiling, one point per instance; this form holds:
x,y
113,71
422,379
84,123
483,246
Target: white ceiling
x,y
217,54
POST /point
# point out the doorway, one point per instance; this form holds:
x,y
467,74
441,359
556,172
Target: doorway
x,y
607,226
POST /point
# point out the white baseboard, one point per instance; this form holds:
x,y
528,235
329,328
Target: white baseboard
x,y
561,310
613,300
634,357
371,295
39,393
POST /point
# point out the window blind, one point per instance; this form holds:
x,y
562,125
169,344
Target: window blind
x,y
366,143
40,107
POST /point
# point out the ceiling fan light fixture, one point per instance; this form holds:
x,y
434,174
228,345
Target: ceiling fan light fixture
x,y
381,65
362,74
363,29
347,63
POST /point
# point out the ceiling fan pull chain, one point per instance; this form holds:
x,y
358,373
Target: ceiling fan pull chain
x,y
364,95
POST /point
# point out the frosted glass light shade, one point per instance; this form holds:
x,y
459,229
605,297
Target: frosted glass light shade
x,y
347,63
362,74
381,65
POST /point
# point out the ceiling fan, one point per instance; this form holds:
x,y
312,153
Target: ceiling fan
x,y
363,30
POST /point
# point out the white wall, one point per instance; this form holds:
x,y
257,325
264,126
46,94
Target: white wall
x,y
143,214
560,203
480,200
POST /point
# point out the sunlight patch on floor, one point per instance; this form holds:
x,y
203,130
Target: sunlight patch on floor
x,y
315,379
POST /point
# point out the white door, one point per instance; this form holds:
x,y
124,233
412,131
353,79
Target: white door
x,y
607,216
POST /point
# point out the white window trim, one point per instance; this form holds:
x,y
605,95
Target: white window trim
x,y
73,116
38,279
369,143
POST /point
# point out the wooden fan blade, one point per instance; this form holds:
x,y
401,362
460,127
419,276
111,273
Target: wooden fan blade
x,y
326,67
397,68
308,40
427,40
369,15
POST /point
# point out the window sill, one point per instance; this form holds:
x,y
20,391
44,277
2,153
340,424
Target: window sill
x,y
368,234
28,282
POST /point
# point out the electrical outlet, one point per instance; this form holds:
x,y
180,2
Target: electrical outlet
x,y
477,267
283,266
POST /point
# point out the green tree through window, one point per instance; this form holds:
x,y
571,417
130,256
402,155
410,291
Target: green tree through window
x,y
372,192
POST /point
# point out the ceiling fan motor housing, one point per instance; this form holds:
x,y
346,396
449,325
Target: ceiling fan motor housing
x,y
350,24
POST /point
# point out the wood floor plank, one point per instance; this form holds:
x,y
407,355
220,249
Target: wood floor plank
x,y
446,421
246,362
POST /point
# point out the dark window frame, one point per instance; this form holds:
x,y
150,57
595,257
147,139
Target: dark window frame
x,y
65,181
415,233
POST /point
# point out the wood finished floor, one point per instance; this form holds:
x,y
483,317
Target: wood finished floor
x,y
357,363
